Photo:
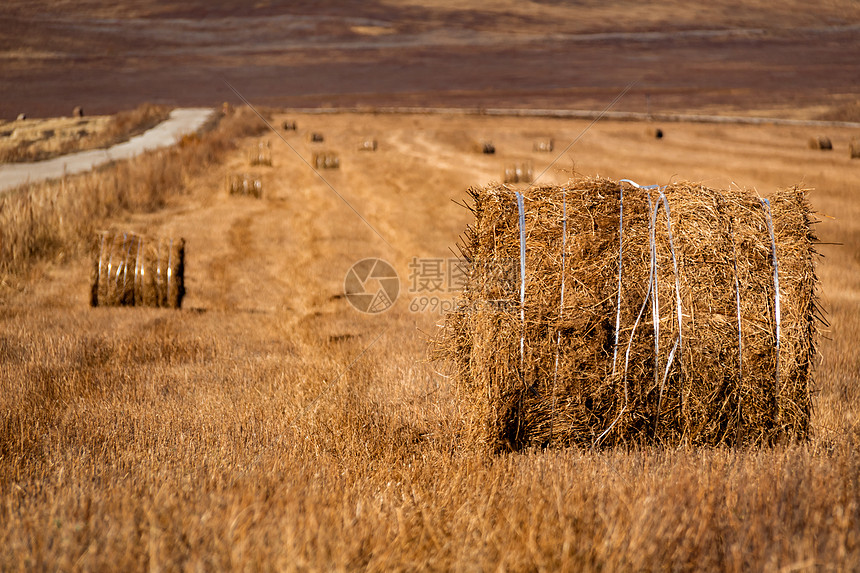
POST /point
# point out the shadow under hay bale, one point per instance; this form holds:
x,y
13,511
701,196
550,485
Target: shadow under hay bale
x,y
260,154
854,149
544,145
820,142
368,145
131,270
248,184
656,133
519,173
326,160
289,126
676,337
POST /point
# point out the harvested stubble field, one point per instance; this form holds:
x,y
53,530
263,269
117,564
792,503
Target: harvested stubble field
x,y
268,425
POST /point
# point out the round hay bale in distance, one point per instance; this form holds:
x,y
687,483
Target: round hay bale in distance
x,y
854,149
820,142
368,145
260,154
132,270
520,172
326,160
246,184
543,145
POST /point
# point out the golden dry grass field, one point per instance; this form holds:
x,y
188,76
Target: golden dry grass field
x,y
268,425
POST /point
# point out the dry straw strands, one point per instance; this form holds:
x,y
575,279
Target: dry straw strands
x,y
131,270
248,184
820,142
260,154
670,330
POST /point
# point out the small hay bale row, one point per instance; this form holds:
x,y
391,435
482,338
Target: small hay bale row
x,y
316,137
854,148
326,160
289,125
131,270
519,173
260,154
820,142
672,340
248,184
543,145
368,145
487,148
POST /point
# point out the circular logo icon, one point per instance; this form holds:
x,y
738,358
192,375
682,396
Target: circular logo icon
x,y
371,285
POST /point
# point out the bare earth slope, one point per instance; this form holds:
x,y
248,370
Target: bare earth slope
x,y
777,58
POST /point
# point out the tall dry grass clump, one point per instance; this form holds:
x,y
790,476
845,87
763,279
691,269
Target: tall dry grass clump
x,y
58,218
670,315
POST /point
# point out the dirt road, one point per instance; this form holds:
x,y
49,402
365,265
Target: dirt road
x,y
181,122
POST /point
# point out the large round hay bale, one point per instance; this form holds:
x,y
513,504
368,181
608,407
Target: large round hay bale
x,y
131,270
677,336
820,142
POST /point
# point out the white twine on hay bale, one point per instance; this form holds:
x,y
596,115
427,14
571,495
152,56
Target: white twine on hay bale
x,y
158,276
735,365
